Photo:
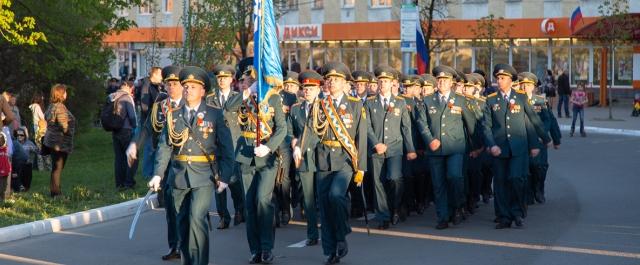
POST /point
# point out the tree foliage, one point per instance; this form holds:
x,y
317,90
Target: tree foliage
x,y
18,32
73,54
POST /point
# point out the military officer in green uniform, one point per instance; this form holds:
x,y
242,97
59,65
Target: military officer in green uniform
x,y
196,146
539,165
151,132
258,165
218,98
338,122
389,132
360,80
428,84
508,141
373,85
304,156
283,175
444,123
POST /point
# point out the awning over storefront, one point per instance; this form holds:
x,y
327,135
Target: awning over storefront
x,y
164,34
628,23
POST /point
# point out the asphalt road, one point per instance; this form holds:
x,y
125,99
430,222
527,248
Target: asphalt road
x,y
592,216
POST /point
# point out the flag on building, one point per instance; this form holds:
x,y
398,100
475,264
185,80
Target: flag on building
x,y
422,56
266,50
576,17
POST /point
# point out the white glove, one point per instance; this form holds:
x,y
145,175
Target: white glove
x,y
154,183
131,152
297,153
261,151
221,186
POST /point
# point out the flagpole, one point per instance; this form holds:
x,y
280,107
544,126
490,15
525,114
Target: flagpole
x,y
259,69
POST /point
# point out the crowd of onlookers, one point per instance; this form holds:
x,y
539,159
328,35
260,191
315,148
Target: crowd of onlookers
x,y
39,143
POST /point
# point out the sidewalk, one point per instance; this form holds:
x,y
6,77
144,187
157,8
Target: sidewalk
x,y
596,120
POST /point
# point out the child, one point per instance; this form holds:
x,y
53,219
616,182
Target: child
x,y
636,106
5,168
578,99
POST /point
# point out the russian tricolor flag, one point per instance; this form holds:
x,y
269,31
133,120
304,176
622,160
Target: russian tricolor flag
x,y
575,18
422,56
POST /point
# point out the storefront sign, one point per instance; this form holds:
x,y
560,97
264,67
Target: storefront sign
x,y
548,26
300,32
408,22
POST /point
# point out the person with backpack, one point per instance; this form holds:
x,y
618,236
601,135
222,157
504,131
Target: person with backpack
x,y
119,117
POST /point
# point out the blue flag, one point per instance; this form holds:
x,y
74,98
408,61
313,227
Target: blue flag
x,y
266,49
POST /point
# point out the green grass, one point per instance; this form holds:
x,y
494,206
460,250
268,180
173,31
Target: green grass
x,y
87,182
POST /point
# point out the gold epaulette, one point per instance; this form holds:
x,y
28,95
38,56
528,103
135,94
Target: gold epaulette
x,y
371,98
296,104
399,97
354,99
429,94
520,91
481,99
212,93
492,94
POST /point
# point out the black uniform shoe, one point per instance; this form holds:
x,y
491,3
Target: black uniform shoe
x,y
267,257
384,225
457,218
255,258
421,208
173,254
286,217
223,224
404,212
540,197
503,225
442,225
332,259
342,249
395,219
519,222
238,219
357,212
311,242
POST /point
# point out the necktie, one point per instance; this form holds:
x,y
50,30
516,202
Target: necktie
x,y
386,103
443,99
173,104
222,100
192,116
306,109
506,98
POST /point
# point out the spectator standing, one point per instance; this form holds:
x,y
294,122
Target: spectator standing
x,y
564,92
23,158
124,107
58,139
549,88
5,167
149,92
39,128
578,100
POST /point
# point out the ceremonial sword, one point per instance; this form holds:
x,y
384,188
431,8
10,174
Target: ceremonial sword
x,y
138,212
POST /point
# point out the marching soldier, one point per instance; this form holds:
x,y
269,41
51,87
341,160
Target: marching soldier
x,y
258,165
198,144
486,177
305,162
151,132
538,165
338,121
373,85
444,123
508,141
389,132
361,81
428,84
218,98
473,172
283,176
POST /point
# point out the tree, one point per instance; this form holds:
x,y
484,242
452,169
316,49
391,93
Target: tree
x,y
74,53
492,33
431,14
153,50
18,32
616,27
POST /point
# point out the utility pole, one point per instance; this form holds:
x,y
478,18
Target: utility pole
x,y
406,55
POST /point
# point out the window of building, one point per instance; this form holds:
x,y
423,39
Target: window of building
x,y
381,3
560,56
290,4
579,64
597,63
463,56
380,53
520,55
146,7
318,4
333,52
623,66
539,57
348,3
364,52
168,6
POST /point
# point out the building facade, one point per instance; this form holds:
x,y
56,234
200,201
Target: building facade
x,y
366,33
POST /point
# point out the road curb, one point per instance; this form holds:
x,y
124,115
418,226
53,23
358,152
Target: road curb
x,y
74,220
591,129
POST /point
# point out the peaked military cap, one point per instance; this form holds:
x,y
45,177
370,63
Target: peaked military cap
x,y
460,77
443,71
360,76
374,79
385,71
479,79
428,80
527,77
336,69
292,77
310,78
410,80
224,70
171,73
505,69
195,74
